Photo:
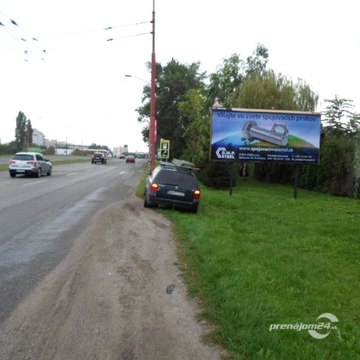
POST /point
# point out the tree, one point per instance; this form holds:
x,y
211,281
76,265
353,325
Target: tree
x,y
339,119
8,148
225,81
102,147
173,82
28,134
20,131
259,59
267,90
197,133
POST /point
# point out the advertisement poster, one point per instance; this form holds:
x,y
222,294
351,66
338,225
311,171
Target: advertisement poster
x,y
265,136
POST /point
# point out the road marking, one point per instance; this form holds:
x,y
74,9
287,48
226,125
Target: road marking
x,y
122,172
72,174
34,183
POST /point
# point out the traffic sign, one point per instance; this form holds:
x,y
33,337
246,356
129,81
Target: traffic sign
x,y
164,149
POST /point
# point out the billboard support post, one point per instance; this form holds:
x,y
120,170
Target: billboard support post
x,y
232,169
296,180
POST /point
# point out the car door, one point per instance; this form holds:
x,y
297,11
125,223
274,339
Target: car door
x,y
43,163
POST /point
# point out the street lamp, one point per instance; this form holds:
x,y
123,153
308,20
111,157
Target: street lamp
x,y
135,77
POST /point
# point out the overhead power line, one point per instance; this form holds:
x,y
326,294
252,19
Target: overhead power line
x,y
128,36
29,43
32,46
95,30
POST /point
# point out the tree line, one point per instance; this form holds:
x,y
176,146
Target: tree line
x,y
184,96
23,136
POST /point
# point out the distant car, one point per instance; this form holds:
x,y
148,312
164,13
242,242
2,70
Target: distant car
x,y
172,186
98,158
29,163
122,157
130,159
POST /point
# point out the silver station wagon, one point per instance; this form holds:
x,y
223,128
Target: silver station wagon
x,y
29,163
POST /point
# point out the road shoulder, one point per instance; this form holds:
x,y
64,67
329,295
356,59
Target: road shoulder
x,y
117,295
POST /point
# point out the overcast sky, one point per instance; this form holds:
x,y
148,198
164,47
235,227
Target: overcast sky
x,y
71,82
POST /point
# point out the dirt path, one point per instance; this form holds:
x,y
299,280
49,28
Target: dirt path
x,y
110,298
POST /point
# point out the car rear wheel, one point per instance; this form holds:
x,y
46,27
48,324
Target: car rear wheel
x,y
194,209
12,174
38,174
147,204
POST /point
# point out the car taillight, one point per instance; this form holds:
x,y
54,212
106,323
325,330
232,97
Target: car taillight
x,y
12,162
32,162
197,194
154,187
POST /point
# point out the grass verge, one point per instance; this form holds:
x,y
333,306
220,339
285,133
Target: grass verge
x,y
259,258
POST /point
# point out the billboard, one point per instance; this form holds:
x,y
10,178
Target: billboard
x,y
265,136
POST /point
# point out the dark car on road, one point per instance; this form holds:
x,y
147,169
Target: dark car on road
x,y
29,163
98,158
172,186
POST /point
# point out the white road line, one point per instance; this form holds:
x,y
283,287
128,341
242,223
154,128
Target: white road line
x,y
72,174
34,183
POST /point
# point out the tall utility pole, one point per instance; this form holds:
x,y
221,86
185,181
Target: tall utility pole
x,y
152,126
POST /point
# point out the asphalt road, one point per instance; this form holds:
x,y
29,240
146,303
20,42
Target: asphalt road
x,y
40,218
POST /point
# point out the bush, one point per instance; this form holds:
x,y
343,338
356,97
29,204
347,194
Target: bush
x,y
335,173
9,148
216,174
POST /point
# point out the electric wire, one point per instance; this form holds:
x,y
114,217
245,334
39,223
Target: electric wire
x,y
31,45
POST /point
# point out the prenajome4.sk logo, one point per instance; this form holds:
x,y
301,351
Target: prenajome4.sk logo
x,y
313,329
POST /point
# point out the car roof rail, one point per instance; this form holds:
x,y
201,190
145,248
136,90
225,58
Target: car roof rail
x,y
179,164
184,164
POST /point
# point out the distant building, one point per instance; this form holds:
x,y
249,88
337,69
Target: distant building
x,y
38,138
120,150
63,151
52,143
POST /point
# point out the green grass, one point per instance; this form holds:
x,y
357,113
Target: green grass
x,y
260,257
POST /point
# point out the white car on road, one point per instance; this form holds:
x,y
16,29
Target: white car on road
x,y
29,163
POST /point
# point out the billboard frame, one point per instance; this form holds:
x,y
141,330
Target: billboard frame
x,y
278,136
273,143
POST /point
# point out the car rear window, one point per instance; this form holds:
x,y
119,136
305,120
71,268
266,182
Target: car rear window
x,y
186,180
23,157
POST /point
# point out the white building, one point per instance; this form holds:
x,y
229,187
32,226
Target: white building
x,y
38,138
